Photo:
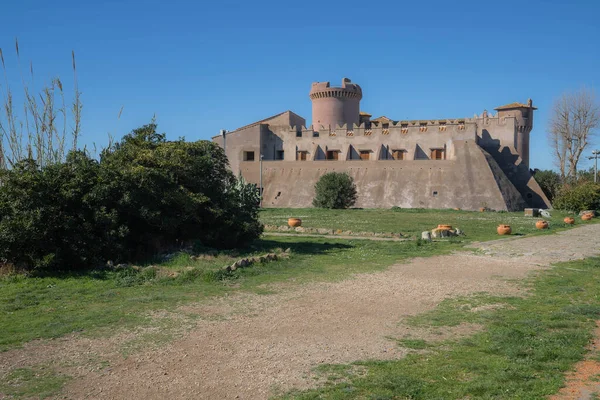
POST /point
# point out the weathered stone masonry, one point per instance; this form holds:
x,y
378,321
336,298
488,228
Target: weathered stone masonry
x,y
465,163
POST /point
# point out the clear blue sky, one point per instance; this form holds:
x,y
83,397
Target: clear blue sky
x,y
201,66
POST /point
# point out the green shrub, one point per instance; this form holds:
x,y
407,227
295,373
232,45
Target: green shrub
x,y
47,218
549,181
335,190
169,193
585,196
144,196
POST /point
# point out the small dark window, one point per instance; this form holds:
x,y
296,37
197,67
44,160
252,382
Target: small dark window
x,y
279,155
298,133
248,156
315,134
385,126
365,154
333,154
435,193
302,155
437,154
398,154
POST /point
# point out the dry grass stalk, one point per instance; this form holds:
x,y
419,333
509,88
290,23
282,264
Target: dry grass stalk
x,y
42,131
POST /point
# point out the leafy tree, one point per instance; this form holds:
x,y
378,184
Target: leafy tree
x,y
46,217
586,175
145,195
549,181
169,193
585,196
335,190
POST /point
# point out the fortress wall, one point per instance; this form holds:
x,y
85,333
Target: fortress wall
x,y
498,136
287,118
467,182
416,140
247,139
497,132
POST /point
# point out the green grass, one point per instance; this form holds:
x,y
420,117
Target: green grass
x,y
411,222
523,352
40,381
103,302
414,344
49,307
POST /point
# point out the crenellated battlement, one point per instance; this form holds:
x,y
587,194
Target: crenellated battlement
x,y
321,90
404,127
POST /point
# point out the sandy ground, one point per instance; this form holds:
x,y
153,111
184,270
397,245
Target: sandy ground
x,y
253,346
583,383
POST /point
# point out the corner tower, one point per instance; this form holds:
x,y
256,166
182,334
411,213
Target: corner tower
x,y
523,114
335,105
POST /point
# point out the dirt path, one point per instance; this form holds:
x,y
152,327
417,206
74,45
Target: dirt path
x,y
583,382
251,346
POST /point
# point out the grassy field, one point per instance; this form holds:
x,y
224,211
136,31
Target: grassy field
x,y
411,222
103,302
523,352
48,307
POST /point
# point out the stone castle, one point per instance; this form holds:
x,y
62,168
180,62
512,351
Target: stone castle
x,y
467,163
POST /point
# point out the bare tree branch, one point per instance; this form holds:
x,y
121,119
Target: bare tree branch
x,y
574,120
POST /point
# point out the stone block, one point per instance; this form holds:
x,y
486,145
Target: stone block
x,y
532,212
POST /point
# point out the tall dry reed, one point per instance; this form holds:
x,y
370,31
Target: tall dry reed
x,y
45,129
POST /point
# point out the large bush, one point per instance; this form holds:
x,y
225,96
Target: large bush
x,y
145,195
585,196
46,218
335,190
549,181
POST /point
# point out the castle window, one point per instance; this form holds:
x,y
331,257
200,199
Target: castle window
x,y
525,113
248,156
365,154
385,126
315,134
398,154
279,155
403,125
333,155
302,155
298,133
438,154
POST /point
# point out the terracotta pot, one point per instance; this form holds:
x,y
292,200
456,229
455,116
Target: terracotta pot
x,y
569,220
445,227
587,217
294,222
541,224
504,230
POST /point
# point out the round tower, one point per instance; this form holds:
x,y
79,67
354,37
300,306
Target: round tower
x,y
333,106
